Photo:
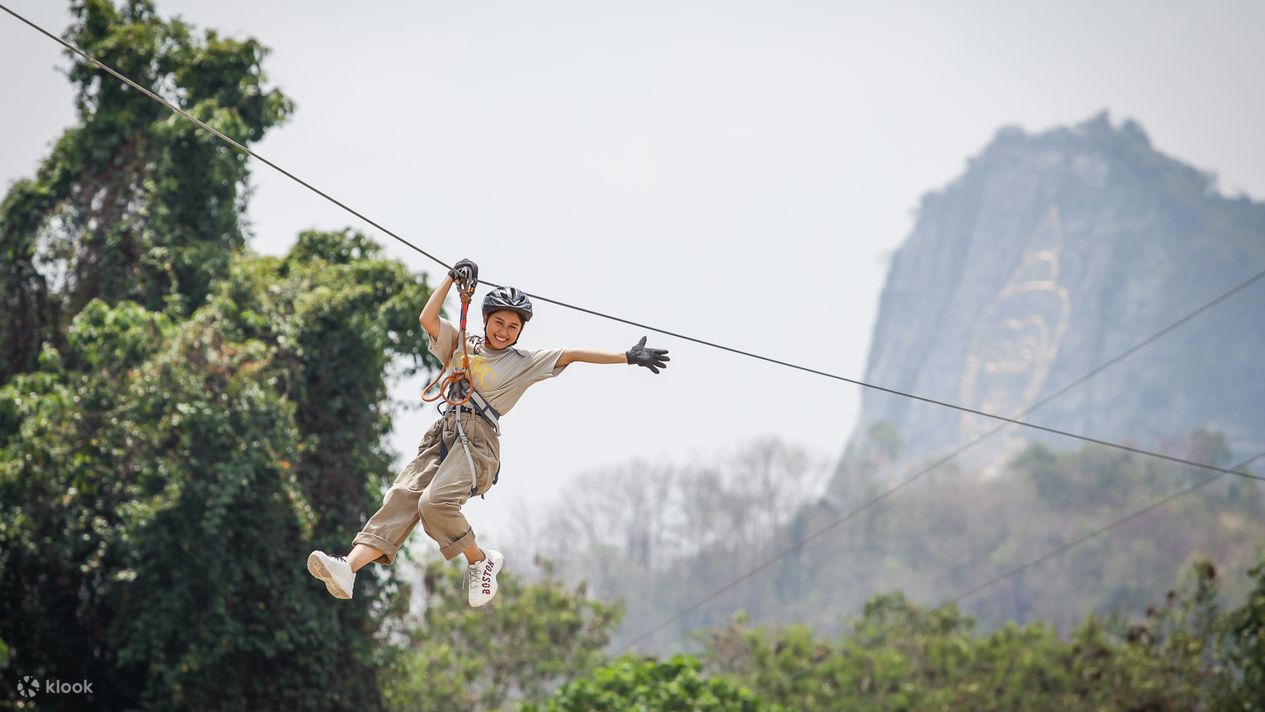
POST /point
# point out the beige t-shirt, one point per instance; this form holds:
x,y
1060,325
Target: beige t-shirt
x,y
502,376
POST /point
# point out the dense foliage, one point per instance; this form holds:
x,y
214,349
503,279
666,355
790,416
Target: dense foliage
x,y
133,203
182,421
533,637
1186,653
162,485
675,685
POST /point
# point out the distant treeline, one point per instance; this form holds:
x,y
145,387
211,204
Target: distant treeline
x,y
687,530
1187,653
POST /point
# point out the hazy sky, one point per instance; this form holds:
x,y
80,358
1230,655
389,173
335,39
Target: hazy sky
x,y
739,171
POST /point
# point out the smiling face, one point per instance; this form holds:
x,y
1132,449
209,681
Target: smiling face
x,y
501,328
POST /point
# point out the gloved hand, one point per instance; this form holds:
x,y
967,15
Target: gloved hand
x,y
464,270
653,359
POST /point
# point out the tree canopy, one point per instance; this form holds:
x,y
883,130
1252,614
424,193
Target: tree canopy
x,y
181,420
134,203
1185,653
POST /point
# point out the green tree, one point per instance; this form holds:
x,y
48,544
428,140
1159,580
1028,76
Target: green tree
x,y
1244,631
133,203
159,498
339,314
675,685
531,638
1183,654
182,421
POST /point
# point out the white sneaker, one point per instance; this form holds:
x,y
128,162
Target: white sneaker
x,y
483,577
334,571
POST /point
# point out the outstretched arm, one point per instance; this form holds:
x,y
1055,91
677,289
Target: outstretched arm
x,y
571,356
639,355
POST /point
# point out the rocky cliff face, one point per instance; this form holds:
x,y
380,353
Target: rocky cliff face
x,y
1052,254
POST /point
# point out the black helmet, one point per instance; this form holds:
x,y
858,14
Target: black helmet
x,y
510,298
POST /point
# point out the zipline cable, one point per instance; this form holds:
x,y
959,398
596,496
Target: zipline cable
x,y
845,379
851,514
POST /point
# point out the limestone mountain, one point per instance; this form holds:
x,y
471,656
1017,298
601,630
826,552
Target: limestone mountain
x,y
1053,253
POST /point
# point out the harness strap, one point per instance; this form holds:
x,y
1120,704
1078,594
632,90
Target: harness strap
x,y
465,446
479,407
485,409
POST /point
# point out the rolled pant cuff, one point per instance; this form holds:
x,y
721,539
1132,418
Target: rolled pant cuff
x,y
388,549
450,552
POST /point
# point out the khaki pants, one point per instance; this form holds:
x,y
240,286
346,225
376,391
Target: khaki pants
x,y
432,491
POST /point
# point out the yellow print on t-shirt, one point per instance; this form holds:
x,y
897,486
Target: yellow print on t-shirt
x,y
481,373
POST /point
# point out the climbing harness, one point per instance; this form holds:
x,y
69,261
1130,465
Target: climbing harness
x,y
459,385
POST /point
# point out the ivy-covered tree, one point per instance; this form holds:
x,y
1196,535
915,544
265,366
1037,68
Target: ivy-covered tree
x,y
133,202
160,494
339,314
182,421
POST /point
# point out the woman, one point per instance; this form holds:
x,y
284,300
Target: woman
x,y
459,455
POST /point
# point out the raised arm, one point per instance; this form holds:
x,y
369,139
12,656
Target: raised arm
x,y
639,355
429,317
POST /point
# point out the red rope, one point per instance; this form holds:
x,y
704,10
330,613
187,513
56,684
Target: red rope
x,y
461,373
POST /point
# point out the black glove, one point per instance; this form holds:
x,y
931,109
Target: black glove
x,y
653,359
464,270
